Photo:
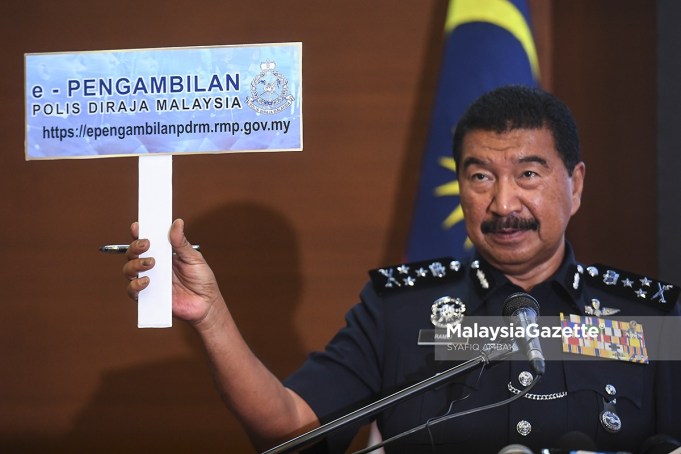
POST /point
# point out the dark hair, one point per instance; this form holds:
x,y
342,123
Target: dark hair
x,y
519,107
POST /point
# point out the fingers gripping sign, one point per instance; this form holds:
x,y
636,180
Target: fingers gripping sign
x,y
134,266
194,289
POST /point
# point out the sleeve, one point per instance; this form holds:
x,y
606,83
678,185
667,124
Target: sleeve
x,y
347,374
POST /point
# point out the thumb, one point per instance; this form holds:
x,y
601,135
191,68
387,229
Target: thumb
x,y
181,246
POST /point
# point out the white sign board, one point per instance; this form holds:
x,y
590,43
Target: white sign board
x,y
175,100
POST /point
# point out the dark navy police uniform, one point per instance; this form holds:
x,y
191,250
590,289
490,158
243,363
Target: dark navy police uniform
x,y
618,404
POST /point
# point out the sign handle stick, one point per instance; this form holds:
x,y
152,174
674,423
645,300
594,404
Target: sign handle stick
x,y
154,308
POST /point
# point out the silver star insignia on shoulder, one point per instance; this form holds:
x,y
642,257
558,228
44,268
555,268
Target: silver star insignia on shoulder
x,y
403,269
634,287
415,274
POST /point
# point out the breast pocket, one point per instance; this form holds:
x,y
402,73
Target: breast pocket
x,y
611,401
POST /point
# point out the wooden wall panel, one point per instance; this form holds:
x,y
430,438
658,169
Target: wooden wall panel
x,y
604,68
290,236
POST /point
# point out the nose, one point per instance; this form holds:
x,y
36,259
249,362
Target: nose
x,y
505,199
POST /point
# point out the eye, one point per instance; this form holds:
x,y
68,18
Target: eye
x,y
529,174
478,176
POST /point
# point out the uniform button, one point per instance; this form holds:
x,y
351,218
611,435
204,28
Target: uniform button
x,y
524,428
610,390
525,378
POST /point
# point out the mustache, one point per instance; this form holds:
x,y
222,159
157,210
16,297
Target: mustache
x,y
509,223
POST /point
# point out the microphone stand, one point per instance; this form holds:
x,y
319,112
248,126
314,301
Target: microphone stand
x,y
369,410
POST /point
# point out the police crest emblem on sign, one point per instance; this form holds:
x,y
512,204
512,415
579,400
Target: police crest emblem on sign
x,y
269,90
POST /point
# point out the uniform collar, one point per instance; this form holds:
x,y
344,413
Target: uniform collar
x,y
487,280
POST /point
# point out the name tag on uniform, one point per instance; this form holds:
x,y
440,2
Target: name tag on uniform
x,y
618,340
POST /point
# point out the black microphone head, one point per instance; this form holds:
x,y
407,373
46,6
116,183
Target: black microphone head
x,y
524,309
520,300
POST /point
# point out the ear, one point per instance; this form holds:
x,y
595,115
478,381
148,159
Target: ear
x,y
578,175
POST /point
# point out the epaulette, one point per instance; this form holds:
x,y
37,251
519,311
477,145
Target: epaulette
x,y
415,274
658,294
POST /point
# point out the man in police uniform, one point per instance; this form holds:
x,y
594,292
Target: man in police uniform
x,y
521,179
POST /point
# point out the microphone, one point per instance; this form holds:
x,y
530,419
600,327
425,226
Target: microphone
x,y
522,309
